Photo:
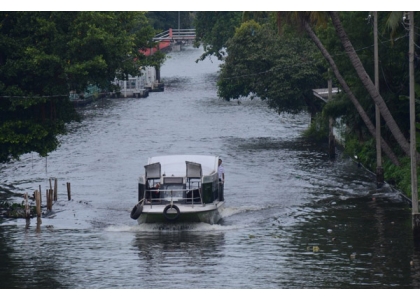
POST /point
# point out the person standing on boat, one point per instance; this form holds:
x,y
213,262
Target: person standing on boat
x,y
221,171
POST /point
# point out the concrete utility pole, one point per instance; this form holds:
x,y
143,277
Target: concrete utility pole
x,y
413,150
331,138
379,169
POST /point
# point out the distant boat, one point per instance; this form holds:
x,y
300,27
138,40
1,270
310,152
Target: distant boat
x,y
179,188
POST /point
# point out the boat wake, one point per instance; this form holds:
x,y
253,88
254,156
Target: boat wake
x,y
226,223
226,212
172,227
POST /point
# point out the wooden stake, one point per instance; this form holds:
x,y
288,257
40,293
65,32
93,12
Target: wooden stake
x,y
55,189
38,224
38,204
51,197
46,197
68,191
49,202
27,211
40,196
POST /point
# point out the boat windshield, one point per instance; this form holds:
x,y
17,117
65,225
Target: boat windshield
x,y
173,190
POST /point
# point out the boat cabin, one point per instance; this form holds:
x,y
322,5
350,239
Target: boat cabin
x,y
181,179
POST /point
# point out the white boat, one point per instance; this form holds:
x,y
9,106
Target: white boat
x,y
181,188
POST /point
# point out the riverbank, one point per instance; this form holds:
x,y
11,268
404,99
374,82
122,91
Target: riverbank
x,y
364,154
397,176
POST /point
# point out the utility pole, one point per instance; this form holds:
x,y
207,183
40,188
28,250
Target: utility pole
x,y
331,138
379,169
413,150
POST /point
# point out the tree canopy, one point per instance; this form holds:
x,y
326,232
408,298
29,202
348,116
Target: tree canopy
x,y
280,69
213,29
45,55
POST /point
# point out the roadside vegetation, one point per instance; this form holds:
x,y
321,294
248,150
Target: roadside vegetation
x,y
281,57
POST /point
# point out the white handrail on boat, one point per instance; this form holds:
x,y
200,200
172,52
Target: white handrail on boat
x,y
171,191
201,198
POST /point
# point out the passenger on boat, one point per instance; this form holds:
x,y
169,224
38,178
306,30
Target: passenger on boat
x,y
154,192
221,172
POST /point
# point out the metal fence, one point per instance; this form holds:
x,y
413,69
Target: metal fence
x,y
175,34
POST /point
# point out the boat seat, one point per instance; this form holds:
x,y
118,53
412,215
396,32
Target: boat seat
x,y
194,194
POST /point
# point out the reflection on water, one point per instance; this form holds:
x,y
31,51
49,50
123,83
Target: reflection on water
x,y
358,242
179,258
293,218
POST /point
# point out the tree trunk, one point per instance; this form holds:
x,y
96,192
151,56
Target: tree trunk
x,y
347,90
367,82
379,169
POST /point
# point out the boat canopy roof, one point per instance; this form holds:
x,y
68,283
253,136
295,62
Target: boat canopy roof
x,y
175,165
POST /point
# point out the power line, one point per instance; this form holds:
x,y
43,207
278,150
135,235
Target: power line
x,y
239,76
51,96
32,97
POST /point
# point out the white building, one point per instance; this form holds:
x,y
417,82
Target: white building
x,y
139,86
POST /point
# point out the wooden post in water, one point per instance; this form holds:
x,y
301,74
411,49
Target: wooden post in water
x,y
27,210
51,197
38,224
55,189
38,203
68,191
49,202
40,196
46,198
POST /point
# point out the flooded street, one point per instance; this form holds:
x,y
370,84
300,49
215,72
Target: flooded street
x,y
293,219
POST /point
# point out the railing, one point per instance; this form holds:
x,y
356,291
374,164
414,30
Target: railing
x,y
162,36
323,93
175,34
170,196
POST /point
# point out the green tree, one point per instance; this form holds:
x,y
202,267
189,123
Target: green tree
x,y
349,92
282,70
45,55
213,29
367,82
393,75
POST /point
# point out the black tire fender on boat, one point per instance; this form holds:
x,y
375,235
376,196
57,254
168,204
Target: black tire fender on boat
x,y
170,217
137,210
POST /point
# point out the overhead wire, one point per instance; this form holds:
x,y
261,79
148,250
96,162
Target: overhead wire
x,y
276,68
283,68
32,97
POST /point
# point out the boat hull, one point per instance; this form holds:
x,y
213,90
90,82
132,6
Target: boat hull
x,y
206,214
